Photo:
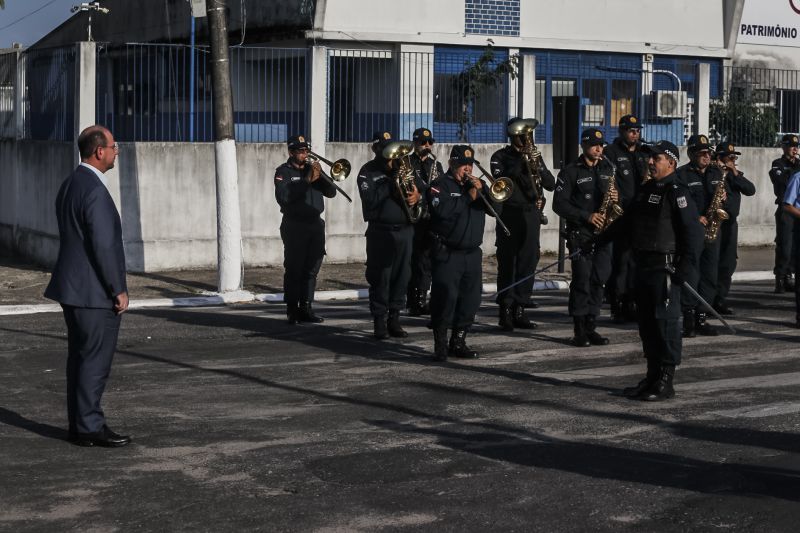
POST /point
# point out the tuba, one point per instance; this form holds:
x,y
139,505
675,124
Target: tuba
x,y
610,209
715,215
524,128
403,177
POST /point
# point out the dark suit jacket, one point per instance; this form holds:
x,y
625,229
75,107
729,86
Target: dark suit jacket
x,y
90,269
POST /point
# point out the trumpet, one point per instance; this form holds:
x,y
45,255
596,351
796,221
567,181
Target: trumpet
x,y
504,189
340,169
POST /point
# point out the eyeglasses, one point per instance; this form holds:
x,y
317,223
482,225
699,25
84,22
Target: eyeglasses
x,y
115,146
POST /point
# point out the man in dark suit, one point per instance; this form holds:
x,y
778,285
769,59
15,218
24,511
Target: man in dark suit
x,y
89,283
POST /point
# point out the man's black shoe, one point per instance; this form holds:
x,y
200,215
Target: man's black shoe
x,y
580,339
506,322
458,345
594,337
702,328
723,309
520,320
661,389
105,437
380,330
393,325
644,385
306,314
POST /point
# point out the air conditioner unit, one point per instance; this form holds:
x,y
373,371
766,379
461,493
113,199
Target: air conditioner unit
x,y
670,104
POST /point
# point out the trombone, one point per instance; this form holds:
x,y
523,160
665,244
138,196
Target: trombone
x,y
340,169
500,191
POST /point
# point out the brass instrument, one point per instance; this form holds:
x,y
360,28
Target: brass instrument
x,y
715,215
340,169
491,193
434,170
610,209
404,177
524,128
500,189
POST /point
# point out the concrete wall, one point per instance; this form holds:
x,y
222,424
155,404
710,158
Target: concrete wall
x,y
166,196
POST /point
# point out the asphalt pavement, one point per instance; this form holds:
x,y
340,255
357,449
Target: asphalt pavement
x,y
243,423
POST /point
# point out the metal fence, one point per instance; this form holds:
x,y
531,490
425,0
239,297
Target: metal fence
x,y
49,93
8,94
757,106
164,92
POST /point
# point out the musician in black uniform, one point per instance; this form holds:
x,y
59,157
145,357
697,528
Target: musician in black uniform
x,y
736,185
518,253
389,238
427,169
701,177
791,204
667,238
782,169
299,190
630,161
580,190
457,224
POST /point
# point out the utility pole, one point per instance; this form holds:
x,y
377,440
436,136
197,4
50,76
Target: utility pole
x,y
229,223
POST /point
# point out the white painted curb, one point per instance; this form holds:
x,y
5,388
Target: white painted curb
x,y
234,297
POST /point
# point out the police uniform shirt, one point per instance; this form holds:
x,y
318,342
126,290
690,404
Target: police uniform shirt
x,y
665,222
379,195
424,168
297,197
792,194
631,168
699,184
780,173
455,218
508,162
579,192
735,187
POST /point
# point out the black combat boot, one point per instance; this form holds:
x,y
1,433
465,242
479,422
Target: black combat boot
x,y
520,320
380,330
292,314
723,308
688,324
661,389
306,314
633,393
702,327
506,322
458,345
393,325
594,337
780,286
788,283
580,339
440,344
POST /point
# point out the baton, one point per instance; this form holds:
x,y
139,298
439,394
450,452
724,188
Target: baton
x,y
708,307
548,267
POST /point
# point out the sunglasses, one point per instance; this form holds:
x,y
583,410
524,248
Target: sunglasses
x,y
425,142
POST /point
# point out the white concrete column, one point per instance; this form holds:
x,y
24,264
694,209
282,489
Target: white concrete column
x,y
527,88
702,98
19,97
514,86
317,122
416,89
85,86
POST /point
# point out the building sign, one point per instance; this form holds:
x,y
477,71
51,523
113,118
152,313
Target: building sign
x,y
772,22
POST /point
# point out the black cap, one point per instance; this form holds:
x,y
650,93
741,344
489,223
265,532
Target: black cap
x,y
462,154
663,147
592,136
381,137
422,134
790,139
724,149
698,143
628,122
297,142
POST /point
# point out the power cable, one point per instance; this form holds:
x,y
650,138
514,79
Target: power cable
x,y
28,15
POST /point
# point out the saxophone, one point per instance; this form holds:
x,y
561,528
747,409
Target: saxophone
x,y
403,177
715,214
610,209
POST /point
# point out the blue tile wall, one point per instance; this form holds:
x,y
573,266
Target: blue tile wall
x,y
492,17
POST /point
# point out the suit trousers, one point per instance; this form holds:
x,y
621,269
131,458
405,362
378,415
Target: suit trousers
x,y
659,306
784,229
388,267
590,271
456,289
517,254
303,251
92,340
728,237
